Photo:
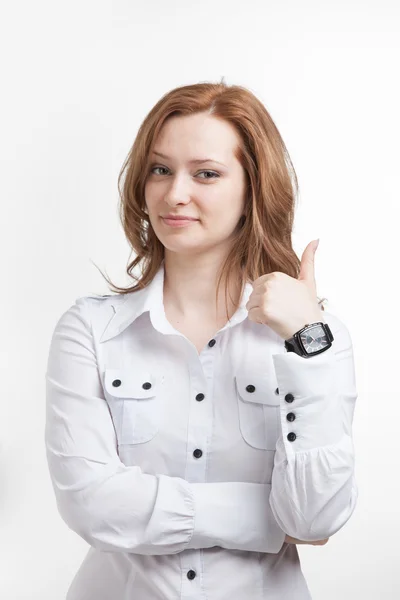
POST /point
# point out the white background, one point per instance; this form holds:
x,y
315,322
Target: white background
x,y
77,80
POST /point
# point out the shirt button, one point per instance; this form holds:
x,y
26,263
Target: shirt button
x,y
290,417
250,388
146,386
116,382
291,436
289,397
199,397
191,574
211,343
197,453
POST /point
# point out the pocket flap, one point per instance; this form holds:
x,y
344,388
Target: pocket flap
x,y
256,387
133,383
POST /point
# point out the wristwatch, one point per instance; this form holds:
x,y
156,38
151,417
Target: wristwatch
x,y
312,339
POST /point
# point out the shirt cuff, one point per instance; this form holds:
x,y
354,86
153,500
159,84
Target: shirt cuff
x,y
311,406
235,515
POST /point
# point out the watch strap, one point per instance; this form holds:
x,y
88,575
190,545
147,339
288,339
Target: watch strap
x,y
292,345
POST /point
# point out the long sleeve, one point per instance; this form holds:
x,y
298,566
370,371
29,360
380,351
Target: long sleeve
x,y
314,491
119,508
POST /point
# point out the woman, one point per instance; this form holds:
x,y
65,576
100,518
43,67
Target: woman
x,y
194,440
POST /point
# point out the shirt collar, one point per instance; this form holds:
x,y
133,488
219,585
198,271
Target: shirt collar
x,y
151,299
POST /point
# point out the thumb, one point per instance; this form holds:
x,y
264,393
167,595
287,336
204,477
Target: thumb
x,y
307,265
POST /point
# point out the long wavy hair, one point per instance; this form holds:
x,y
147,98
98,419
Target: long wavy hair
x,y
262,241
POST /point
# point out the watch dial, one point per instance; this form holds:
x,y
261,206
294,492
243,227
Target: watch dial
x,y
314,339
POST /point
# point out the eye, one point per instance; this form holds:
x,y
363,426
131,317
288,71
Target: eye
x,y
153,169
213,173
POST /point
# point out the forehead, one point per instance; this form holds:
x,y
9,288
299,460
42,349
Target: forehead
x,y
197,136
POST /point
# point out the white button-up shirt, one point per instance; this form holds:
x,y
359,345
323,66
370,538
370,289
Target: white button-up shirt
x,y
177,468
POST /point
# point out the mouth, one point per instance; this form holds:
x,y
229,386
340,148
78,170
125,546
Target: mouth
x,y
180,218
174,222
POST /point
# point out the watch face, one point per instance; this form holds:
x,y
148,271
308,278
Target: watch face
x,y
314,339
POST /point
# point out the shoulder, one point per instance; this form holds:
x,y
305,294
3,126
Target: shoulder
x,y
98,297
100,300
86,308
99,306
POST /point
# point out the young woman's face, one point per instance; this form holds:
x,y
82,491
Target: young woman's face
x,y
212,192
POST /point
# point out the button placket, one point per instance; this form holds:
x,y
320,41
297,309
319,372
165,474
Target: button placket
x,y
191,565
198,453
199,424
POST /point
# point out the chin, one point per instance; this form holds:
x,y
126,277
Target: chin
x,y
180,248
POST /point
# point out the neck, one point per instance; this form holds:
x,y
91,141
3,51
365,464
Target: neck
x,y
190,285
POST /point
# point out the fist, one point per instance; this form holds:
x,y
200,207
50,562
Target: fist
x,y
284,303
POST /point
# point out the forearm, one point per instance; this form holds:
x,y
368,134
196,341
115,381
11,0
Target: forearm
x,y
314,491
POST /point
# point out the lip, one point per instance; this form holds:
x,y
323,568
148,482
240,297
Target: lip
x,y
182,222
180,217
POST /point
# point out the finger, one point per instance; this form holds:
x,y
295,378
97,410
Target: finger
x,y
307,265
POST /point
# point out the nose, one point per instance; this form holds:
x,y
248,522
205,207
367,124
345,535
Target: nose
x,y
178,191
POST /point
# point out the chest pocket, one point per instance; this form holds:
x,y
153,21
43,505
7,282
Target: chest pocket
x,y
133,396
259,410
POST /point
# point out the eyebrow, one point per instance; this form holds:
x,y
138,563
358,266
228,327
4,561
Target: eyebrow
x,y
195,161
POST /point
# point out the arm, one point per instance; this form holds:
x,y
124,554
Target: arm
x,y
314,491
119,508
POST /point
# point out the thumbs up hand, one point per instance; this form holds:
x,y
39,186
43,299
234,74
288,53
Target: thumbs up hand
x,y
284,303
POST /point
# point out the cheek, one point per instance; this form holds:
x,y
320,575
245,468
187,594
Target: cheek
x,y
227,215
152,192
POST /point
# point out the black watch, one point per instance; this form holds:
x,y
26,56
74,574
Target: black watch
x,y
313,339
